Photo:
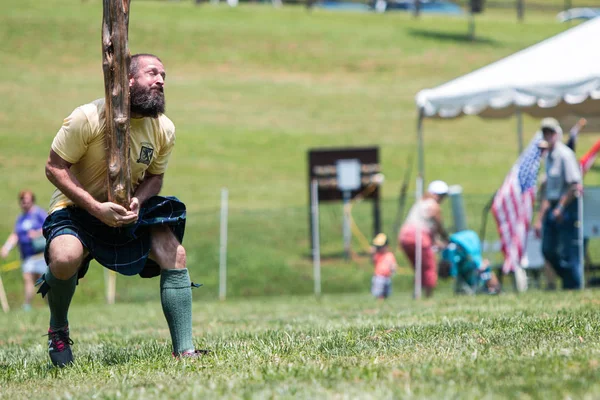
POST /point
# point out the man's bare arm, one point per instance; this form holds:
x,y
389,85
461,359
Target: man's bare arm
x,y
544,206
58,171
568,197
11,242
149,187
439,223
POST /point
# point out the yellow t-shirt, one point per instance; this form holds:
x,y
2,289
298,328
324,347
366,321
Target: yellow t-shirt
x,y
80,141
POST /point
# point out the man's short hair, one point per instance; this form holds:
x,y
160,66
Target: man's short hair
x,y
134,65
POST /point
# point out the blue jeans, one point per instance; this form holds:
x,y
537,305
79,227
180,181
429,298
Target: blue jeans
x,y
560,245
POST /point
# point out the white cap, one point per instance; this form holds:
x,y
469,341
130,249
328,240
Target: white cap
x,y
552,125
438,187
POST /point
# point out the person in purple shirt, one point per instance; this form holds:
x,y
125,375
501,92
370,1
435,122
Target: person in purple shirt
x,y
27,233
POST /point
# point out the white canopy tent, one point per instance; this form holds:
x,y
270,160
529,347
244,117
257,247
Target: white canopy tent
x,y
558,77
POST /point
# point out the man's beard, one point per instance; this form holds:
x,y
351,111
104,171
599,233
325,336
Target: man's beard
x,y
147,102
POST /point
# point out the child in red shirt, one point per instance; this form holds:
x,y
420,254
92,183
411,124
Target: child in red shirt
x,y
385,266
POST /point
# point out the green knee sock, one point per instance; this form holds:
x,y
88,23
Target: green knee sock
x,y
176,299
59,298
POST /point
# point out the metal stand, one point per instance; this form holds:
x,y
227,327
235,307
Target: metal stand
x,y
316,253
223,245
346,224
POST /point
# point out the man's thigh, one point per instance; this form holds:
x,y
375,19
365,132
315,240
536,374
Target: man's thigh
x,y
165,249
550,238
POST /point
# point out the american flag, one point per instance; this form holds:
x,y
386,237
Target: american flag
x,y
513,204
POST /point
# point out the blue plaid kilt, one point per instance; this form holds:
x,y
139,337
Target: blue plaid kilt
x,y
125,249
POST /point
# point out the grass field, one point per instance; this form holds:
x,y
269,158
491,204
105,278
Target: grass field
x,y
250,90
533,346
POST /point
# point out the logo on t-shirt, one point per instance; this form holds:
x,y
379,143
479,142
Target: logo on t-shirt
x,y
146,154
26,225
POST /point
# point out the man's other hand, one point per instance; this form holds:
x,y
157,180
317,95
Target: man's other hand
x,y
134,206
115,215
557,214
537,226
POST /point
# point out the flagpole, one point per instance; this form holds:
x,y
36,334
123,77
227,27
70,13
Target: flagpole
x,y
520,183
520,130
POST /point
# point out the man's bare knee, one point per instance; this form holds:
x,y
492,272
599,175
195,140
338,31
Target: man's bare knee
x,y
66,254
180,257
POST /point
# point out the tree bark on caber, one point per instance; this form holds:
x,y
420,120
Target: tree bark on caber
x,y
115,64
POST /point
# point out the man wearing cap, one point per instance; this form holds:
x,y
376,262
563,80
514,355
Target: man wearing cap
x,y
425,217
557,220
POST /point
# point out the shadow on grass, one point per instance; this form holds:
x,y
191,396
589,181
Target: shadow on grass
x,y
452,37
339,258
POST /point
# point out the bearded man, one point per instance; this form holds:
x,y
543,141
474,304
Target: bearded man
x,y
83,225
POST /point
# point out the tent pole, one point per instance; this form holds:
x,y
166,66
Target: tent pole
x,y
420,148
419,194
471,23
580,233
520,130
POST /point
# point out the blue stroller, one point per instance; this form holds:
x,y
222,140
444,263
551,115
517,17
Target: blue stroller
x,y
465,263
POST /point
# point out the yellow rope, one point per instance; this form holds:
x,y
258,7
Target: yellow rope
x,y
365,243
10,266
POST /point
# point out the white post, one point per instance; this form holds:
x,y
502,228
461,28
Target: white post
x,y
471,24
419,195
581,242
3,300
110,278
520,130
418,244
314,211
223,246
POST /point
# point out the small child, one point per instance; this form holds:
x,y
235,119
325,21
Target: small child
x,y
385,266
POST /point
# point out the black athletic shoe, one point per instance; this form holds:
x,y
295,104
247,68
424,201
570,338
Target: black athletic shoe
x,y
191,354
59,347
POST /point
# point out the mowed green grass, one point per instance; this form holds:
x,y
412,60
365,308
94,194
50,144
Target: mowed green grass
x,y
250,90
532,346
